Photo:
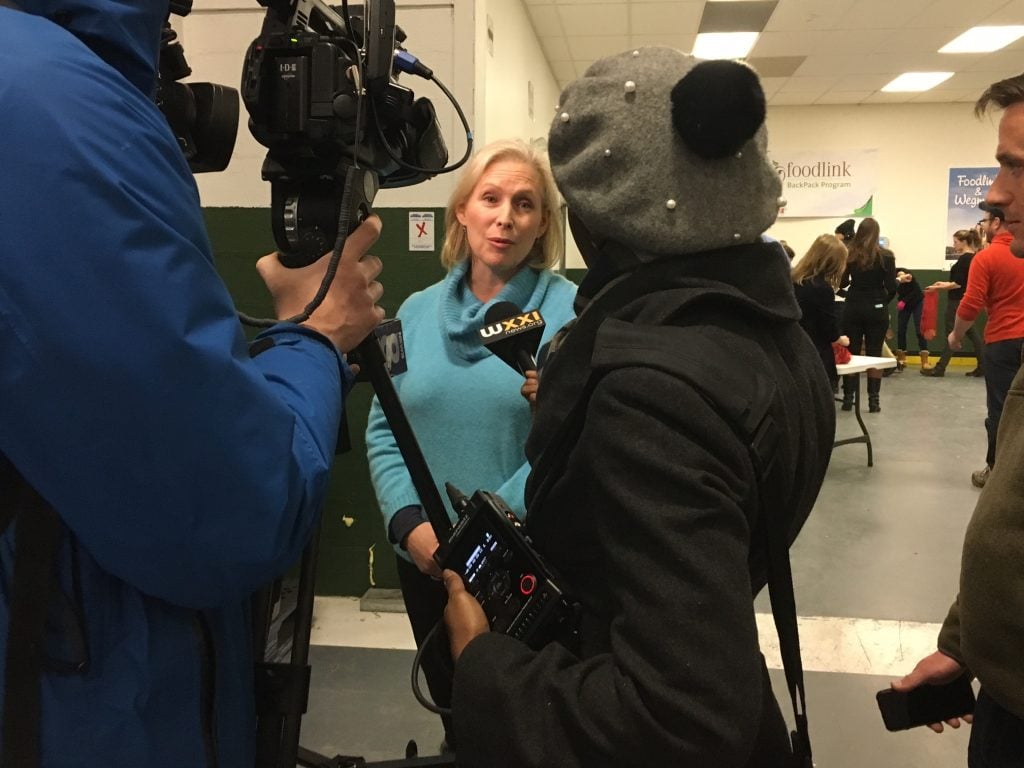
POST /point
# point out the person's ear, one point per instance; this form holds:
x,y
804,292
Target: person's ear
x,y
460,213
545,220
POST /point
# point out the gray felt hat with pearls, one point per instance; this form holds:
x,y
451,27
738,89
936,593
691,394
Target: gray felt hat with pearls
x,y
666,153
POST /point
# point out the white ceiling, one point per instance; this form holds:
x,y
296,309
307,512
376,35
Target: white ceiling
x,y
852,47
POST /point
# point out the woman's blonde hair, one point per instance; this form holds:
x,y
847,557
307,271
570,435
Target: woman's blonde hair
x,y
548,250
826,258
968,236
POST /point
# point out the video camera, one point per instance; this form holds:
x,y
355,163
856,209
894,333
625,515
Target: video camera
x,y
322,96
203,116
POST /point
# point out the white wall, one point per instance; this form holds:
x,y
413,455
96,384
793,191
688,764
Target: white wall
x,y
513,64
917,143
218,32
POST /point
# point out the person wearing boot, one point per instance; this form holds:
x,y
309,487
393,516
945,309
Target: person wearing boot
x,y
910,305
997,284
871,284
966,242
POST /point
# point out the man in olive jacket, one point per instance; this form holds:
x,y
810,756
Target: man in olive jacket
x,y
983,635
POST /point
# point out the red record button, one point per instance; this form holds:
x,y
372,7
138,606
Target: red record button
x,y
527,584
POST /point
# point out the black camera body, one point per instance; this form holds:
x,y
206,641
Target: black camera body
x,y
520,595
323,98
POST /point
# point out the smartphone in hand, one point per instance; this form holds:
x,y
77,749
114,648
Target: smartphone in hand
x,y
926,704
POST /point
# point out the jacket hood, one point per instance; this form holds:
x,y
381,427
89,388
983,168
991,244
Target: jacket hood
x,y
124,33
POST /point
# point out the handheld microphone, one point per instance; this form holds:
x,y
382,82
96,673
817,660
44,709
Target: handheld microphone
x,y
513,335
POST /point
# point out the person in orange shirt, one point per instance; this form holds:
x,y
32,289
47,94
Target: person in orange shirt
x,y
996,284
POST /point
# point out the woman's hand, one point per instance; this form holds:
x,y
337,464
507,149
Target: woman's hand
x,y
529,388
421,544
463,616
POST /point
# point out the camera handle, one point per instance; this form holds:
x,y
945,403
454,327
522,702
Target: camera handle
x,y
282,688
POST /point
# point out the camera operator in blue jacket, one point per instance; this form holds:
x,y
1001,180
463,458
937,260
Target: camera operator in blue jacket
x,y
184,473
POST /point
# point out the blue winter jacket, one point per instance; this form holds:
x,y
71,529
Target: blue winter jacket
x,y
186,474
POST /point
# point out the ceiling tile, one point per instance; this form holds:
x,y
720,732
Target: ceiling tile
x,y
772,84
741,16
680,42
856,46
590,48
956,13
1011,13
583,20
802,15
775,66
659,18
883,14
792,99
935,96
555,48
860,83
564,71
843,97
546,21
813,86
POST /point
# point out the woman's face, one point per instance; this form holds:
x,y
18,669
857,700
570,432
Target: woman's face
x,y
959,246
503,217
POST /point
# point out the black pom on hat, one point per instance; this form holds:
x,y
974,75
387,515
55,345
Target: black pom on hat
x,y
717,107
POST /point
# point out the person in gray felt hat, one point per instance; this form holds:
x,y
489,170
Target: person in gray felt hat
x,y
643,497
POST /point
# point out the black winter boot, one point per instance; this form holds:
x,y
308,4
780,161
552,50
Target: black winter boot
x,y
849,391
874,387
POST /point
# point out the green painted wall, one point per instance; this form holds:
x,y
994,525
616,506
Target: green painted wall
x,y
927,277
239,237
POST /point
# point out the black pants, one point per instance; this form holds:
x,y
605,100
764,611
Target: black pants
x,y
997,737
972,335
1002,361
865,323
903,320
425,600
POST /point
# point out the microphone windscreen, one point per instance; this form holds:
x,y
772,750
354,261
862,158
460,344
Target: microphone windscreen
x,y
513,335
501,310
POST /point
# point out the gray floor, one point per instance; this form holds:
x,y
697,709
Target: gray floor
x,y
883,542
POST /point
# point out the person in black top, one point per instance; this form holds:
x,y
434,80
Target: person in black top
x,y
870,282
965,242
845,231
815,281
910,303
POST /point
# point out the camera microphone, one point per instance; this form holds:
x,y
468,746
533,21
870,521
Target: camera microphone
x,y
513,335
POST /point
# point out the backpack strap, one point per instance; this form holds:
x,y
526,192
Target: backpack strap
x,y
744,398
36,539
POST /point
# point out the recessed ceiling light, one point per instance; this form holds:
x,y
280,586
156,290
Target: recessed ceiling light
x,y
983,39
916,81
724,45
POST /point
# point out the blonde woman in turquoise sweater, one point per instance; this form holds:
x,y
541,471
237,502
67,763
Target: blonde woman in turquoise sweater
x,y
503,233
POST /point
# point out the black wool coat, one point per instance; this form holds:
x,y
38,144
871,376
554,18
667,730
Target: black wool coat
x,y
651,517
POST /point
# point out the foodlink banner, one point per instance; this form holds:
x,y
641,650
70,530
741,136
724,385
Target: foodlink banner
x,y
967,188
831,183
